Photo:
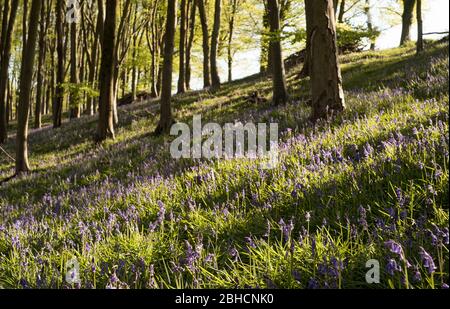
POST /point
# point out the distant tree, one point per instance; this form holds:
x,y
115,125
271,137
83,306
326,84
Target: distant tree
x,y
190,42
166,119
205,43
215,79
419,26
233,6
74,91
280,94
326,80
182,47
407,19
8,21
60,69
43,24
26,76
368,11
105,128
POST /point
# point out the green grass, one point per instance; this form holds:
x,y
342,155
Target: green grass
x,y
377,172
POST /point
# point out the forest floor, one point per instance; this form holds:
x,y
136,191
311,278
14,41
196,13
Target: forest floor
x,y
370,184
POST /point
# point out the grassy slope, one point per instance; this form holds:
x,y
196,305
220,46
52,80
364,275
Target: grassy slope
x,y
134,217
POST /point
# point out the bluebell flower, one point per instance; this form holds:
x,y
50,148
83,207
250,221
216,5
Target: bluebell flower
x,y
392,267
427,260
394,248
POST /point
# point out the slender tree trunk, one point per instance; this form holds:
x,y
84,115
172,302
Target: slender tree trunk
x,y
215,79
368,11
40,71
326,80
407,19
230,38
74,93
105,127
306,64
419,26
205,37
280,95
9,103
189,45
59,90
26,75
8,21
335,6
166,119
182,49
341,12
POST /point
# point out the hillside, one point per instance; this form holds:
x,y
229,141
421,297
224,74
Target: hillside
x,y
370,184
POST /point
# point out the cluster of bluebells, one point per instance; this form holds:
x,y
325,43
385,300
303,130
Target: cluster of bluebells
x,y
90,216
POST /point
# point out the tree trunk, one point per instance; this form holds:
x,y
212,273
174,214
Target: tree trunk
x,y
230,38
280,95
26,76
182,49
189,45
74,93
40,72
264,58
166,119
407,19
215,79
326,80
306,64
59,90
205,38
105,128
419,26
8,22
368,11
341,12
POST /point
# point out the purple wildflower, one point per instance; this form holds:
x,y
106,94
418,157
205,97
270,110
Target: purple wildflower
x,y
427,260
392,267
395,248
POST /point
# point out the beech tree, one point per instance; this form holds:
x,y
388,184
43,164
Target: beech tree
x,y
8,21
280,94
166,118
326,80
205,43
407,19
105,128
215,79
26,76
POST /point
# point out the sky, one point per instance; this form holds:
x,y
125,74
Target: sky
x,y
435,19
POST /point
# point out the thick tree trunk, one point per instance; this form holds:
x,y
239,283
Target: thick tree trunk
x,y
407,19
189,44
26,76
8,21
166,119
326,80
40,71
215,79
419,26
59,90
205,38
105,128
280,95
182,49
